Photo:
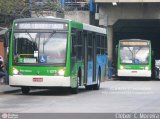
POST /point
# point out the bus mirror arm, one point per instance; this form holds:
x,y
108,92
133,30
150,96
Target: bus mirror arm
x,y
152,53
7,37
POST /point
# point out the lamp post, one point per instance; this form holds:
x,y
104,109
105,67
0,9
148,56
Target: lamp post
x,y
30,8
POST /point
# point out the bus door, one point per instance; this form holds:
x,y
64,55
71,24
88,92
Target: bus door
x,y
73,48
90,59
85,36
94,57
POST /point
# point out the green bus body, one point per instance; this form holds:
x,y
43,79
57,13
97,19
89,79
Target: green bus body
x,y
76,69
129,68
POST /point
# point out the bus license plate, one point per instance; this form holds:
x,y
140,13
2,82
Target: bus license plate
x,y
134,71
37,79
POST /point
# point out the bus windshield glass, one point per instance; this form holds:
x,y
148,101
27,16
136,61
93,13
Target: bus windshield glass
x,y
134,54
39,47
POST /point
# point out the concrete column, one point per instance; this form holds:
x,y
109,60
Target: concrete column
x,y
110,41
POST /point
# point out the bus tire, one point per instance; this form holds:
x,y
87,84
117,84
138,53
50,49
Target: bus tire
x,y
97,86
25,90
89,87
75,90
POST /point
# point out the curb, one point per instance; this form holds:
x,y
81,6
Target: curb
x,y
8,91
12,91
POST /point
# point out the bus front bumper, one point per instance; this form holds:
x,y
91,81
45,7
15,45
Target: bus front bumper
x,y
134,73
39,81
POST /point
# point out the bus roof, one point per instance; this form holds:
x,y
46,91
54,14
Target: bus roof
x,y
42,19
94,28
54,19
132,40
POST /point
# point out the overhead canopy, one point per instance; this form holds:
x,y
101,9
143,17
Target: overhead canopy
x,y
138,29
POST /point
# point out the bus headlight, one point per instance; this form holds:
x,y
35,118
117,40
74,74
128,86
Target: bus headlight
x,y
15,71
121,67
61,72
146,68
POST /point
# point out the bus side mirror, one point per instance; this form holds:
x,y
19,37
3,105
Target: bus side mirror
x,y
7,37
152,53
116,50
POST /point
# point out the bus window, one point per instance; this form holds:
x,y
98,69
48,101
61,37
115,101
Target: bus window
x,y
52,46
102,44
79,45
73,52
90,47
98,44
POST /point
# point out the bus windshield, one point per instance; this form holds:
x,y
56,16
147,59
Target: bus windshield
x,y
37,47
134,54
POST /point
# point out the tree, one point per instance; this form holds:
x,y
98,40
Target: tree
x,y
14,8
22,8
40,8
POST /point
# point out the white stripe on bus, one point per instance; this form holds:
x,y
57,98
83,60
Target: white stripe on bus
x,y
135,73
21,80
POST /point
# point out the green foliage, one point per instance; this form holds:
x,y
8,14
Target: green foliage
x,y
13,7
21,8
53,5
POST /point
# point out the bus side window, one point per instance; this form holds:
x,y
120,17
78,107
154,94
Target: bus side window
x,y
105,45
79,45
73,50
102,45
90,47
98,43
116,50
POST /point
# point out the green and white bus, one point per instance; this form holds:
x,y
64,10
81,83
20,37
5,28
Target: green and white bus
x,y
134,58
53,52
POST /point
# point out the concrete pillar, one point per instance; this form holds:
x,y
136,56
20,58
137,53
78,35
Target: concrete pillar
x,y
110,41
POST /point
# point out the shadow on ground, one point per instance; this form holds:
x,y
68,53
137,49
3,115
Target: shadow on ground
x,y
54,92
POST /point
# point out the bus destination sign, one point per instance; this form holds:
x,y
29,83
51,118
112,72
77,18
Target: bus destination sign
x,y
131,43
41,25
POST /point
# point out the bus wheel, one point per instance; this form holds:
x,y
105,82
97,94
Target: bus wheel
x,y
90,87
97,86
75,90
25,90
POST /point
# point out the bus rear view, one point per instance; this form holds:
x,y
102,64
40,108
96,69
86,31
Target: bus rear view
x,y
134,58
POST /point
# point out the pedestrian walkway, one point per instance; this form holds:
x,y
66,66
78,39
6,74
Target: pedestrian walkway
x,y
8,89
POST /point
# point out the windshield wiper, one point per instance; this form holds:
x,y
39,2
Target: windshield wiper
x,y
51,35
29,35
131,52
138,50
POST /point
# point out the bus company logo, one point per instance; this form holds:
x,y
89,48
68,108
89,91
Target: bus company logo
x,y
4,116
9,116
